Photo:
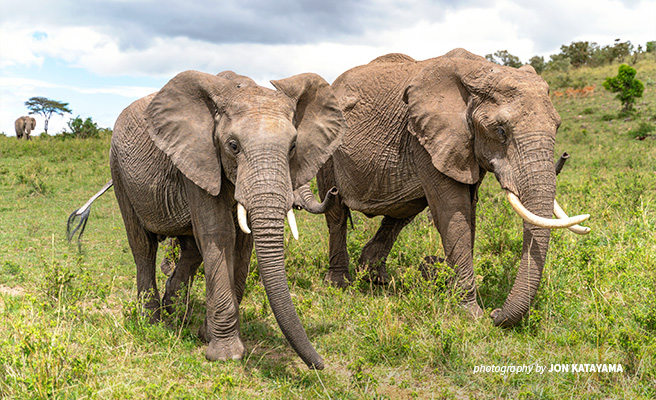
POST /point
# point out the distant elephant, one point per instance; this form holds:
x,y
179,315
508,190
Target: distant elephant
x,y
24,126
207,159
424,133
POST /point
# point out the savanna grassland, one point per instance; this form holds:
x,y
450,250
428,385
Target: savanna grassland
x,y
70,326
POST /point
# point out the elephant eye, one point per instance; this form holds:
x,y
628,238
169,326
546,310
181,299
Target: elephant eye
x,y
291,149
501,131
234,146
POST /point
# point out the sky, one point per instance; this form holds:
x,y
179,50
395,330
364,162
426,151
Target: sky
x,y
101,55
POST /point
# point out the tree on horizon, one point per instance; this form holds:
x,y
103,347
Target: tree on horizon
x,y
46,107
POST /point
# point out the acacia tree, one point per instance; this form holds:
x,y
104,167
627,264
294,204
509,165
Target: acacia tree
x,y
46,107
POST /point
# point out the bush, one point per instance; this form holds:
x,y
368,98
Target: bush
x,y
82,128
643,130
651,47
627,87
537,62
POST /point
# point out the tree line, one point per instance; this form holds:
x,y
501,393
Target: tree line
x,y
578,54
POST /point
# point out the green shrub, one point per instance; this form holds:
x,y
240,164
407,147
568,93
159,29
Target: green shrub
x,y
642,130
627,87
82,128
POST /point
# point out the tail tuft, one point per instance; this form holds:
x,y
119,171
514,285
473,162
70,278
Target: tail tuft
x,y
81,220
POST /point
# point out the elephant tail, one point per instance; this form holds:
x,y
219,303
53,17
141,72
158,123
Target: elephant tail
x,y
81,215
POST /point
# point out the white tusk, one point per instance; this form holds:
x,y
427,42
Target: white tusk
x,y
578,229
241,218
540,221
291,220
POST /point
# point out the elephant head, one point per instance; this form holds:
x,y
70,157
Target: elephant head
x,y
226,130
474,116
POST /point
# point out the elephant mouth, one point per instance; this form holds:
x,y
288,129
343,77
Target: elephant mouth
x,y
562,220
242,219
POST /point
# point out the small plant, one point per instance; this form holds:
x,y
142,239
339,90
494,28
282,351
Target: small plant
x,y
643,130
82,128
627,87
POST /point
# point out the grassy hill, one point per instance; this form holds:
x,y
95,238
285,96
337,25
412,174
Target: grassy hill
x,y
70,327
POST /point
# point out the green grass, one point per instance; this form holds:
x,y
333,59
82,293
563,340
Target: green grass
x,y
70,327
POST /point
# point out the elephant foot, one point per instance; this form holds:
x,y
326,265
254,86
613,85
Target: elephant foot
x,y
225,349
153,315
151,310
376,275
473,309
339,278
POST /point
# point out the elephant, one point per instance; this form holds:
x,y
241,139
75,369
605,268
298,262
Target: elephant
x,y
425,133
24,126
213,160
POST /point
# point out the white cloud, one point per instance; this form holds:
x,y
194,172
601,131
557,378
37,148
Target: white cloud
x,y
101,42
18,46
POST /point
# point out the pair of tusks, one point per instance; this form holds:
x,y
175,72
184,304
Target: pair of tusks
x,y
562,219
243,222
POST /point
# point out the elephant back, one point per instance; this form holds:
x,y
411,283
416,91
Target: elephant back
x,y
375,147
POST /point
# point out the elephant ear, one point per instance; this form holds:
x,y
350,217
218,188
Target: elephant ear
x,y
438,99
240,80
182,117
318,120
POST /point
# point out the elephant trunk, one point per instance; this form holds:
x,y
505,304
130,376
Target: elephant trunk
x,y
267,224
304,200
536,185
266,193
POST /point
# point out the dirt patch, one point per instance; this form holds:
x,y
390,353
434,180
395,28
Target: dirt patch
x,y
12,291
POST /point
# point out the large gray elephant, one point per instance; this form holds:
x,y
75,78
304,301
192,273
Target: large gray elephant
x,y
207,159
24,126
424,133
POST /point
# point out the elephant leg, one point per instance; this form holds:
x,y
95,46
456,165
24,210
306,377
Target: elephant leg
x,y
374,254
183,274
337,219
214,230
454,214
144,251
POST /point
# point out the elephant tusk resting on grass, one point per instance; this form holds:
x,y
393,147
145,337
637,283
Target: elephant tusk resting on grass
x,y
563,220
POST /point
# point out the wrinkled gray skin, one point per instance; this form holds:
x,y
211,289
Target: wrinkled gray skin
x,y
425,133
181,159
24,126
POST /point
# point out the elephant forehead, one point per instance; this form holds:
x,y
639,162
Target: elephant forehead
x,y
261,104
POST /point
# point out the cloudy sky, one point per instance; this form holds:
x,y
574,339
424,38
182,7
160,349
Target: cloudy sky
x,y
100,55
